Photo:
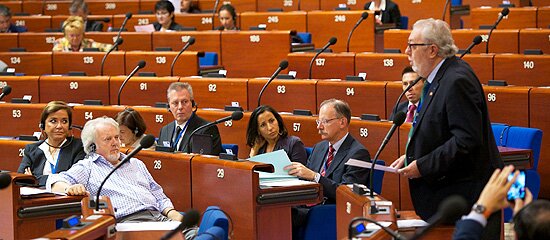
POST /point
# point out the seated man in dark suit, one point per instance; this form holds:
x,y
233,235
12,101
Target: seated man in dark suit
x,y
326,165
176,134
6,26
413,95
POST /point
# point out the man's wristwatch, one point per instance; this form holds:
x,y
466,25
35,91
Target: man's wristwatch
x,y
478,208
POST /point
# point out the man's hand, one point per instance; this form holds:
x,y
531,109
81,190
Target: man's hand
x,y
76,190
519,203
299,170
410,171
175,215
398,163
494,195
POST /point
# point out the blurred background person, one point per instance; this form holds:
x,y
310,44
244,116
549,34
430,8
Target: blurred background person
x,y
132,127
80,8
5,22
266,133
408,75
59,151
188,7
386,12
73,40
164,10
228,17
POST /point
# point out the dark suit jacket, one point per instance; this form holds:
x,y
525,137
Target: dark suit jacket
x,y
173,26
35,158
452,142
94,26
293,146
391,14
339,173
468,229
401,107
167,133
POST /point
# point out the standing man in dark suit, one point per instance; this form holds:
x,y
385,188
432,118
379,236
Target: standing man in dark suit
x,y
176,134
413,95
451,148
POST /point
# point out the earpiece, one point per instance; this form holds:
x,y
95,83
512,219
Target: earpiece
x,y
92,147
41,126
193,104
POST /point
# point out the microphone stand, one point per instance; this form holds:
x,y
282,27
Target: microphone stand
x,y
190,42
282,66
140,65
330,42
363,17
214,12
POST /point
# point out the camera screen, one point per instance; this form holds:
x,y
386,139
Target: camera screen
x,y
518,188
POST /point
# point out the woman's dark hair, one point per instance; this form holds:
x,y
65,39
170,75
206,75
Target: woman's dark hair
x,y
230,9
132,120
165,5
252,130
53,107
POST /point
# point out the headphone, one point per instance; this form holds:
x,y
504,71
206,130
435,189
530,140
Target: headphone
x,y
132,113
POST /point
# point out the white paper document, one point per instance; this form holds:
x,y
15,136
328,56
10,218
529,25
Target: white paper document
x,y
363,164
146,226
411,223
144,28
372,226
278,159
285,182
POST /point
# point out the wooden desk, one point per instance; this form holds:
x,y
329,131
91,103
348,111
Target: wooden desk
x,y
201,21
140,90
520,158
132,40
393,89
241,5
33,23
440,232
205,41
531,38
107,7
275,20
253,53
508,104
20,222
237,191
30,63
219,92
20,86
57,21
327,65
49,8
141,19
482,64
84,113
539,118
74,89
502,41
381,66
38,42
543,16
9,40
284,95
88,62
494,3
288,5
362,97
303,127
155,118
14,6
22,119
330,5
523,70
326,24
524,17
397,38
160,62
11,153
417,10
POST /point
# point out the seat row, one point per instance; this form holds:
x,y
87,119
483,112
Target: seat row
x,y
519,17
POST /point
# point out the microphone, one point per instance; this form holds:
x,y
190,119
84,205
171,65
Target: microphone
x,y
235,116
363,17
351,233
501,15
5,91
190,42
450,210
190,219
445,9
146,142
117,43
476,41
128,16
139,66
214,13
398,120
331,41
282,66
5,180
403,93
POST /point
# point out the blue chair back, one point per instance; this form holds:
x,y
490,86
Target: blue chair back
x,y
305,36
404,22
455,3
231,149
519,137
321,222
309,150
214,217
213,233
209,59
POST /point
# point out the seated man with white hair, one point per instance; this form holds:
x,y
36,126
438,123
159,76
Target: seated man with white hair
x,y
135,195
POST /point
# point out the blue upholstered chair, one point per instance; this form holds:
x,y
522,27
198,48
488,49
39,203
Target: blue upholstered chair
x,y
213,233
305,36
209,59
404,22
214,217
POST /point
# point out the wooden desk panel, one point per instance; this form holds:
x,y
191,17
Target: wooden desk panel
x,y
49,8
57,21
14,6
205,41
155,118
326,24
217,93
417,10
362,97
30,63
493,3
113,7
88,62
543,16
534,39
502,41
253,53
160,62
231,132
525,17
275,20
523,70
241,5
21,86
509,105
132,40
538,116
284,95
84,113
140,90
11,153
393,89
381,66
288,5
38,42
74,89
9,40
482,64
303,127
141,19
330,5
33,23
540,3
22,119
396,39
201,21
327,65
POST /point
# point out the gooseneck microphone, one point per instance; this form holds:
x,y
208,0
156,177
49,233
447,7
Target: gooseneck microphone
x,y
139,66
5,180
117,43
214,13
331,42
403,93
282,66
351,232
398,120
450,210
146,142
501,15
190,42
475,42
190,219
364,16
445,9
5,91
128,16
235,116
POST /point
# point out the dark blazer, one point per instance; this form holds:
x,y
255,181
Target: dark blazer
x,y
35,158
293,146
339,173
173,26
468,229
94,26
391,14
167,133
16,29
401,107
452,142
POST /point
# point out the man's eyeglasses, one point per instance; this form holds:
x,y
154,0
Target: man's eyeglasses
x,y
324,121
411,45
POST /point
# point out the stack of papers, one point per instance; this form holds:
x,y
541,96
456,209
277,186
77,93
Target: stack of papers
x,y
279,160
30,192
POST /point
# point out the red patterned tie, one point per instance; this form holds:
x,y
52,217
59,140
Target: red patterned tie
x,y
410,113
329,160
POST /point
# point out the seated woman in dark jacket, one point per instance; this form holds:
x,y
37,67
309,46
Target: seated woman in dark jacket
x,y
267,133
389,12
164,11
59,151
